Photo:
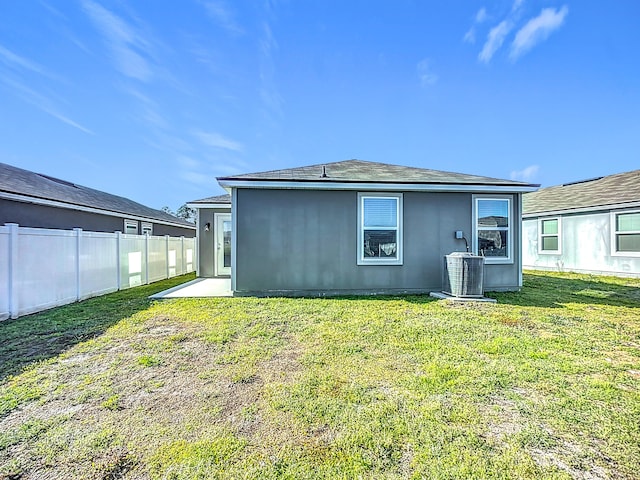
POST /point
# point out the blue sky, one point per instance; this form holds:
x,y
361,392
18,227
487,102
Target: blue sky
x,y
153,100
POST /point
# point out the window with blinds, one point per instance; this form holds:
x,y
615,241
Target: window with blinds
x,y
493,229
379,231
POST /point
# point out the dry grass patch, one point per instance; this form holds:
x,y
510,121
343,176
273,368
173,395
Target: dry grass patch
x,y
542,385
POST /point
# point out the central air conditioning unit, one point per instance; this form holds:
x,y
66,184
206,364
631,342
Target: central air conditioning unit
x,y
463,275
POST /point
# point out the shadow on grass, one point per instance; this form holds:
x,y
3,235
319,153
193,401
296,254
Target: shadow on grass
x,y
540,289
553,290
43,335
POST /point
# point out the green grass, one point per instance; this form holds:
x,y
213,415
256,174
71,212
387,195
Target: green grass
x,y
543,384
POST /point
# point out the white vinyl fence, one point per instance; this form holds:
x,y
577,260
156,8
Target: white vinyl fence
x,y
42,268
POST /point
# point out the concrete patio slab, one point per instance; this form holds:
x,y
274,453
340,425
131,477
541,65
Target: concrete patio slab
x,y
446,296
200,287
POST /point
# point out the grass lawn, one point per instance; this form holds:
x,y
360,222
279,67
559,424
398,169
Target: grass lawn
x,y
543,384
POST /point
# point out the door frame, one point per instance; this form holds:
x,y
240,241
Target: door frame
x,y
219,219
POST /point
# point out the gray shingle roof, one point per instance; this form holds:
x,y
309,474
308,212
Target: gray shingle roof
x,y
226,198
39,186
615,189
356,171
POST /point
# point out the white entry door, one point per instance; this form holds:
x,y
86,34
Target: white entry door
x,y
223,244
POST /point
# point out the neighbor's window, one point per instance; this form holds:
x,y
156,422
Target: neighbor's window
x,y
549,241
380,229
627,233
147,228
131,227
493,229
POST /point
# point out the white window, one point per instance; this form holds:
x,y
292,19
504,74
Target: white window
x,y
493,229
626,233
550,240
147,228
379,229
131,227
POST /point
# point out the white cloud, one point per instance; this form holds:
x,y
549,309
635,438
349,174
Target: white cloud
x,y
470,36
229,168
195,172
481,16
220,13
527,174
126,44
214,139
537,30
198,178
10,58
495,39
164,141
63,118
427,77
41,102
269,93
188,162
516,5
149,110
14,60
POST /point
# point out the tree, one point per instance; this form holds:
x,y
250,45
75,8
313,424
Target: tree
x,y
186,213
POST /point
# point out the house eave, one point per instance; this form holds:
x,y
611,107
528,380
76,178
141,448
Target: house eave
x,y
70,206
225,206
375,186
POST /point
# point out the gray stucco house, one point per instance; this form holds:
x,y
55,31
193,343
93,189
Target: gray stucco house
x,y
36,200
591,226
355,227
213,242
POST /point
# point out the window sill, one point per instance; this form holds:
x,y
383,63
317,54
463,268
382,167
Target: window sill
x,y
498,261
625,254
379,262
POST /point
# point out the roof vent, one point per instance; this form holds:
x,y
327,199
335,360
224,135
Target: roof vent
x,y
57,180
582,181
324,172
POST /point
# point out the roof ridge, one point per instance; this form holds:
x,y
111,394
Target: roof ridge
x,y
357,170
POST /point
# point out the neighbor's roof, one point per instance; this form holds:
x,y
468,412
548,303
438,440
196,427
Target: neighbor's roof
x,y
360,171
618,189
39,187
220,199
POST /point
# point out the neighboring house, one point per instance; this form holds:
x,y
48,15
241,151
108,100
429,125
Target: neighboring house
x,y
35,200
592,226
357,227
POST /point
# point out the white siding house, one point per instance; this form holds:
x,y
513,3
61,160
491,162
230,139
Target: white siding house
x,y
591,226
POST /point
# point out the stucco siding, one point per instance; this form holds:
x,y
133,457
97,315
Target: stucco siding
x,y
207,241
296,241
586,247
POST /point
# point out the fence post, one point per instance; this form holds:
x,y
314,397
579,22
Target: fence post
x,y
118,247
13,269
78,247
183,264
146,259
166,256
